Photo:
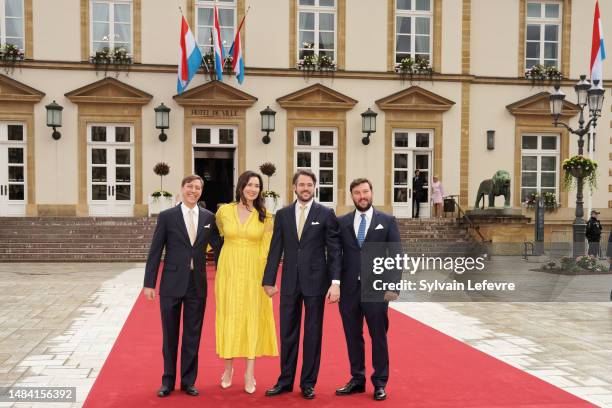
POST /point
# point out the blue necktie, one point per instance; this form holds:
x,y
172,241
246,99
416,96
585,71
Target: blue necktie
x,y
362,230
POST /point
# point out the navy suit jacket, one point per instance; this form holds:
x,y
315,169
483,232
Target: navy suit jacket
x,y
171,234
383,228
311,263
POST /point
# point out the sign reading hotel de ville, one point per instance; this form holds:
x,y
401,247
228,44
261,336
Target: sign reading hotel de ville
x,y
214,113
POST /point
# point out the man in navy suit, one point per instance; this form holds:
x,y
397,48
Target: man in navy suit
x,y
185,232
306,235
364,225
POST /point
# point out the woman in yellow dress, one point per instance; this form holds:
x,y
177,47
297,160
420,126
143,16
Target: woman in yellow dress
x,y
244,320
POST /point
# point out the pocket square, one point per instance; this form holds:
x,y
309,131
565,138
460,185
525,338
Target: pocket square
x,y
207,226
314,223
379,226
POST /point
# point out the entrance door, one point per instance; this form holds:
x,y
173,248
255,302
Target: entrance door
x,y
214,153
12,169
412,150
110,157
216,167
402,184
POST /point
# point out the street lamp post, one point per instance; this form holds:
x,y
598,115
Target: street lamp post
x,y
593,97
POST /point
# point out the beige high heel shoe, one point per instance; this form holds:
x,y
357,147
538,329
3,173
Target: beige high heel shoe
x,y
228,384
250,390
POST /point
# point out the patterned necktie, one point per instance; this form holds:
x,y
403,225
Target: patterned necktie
x,y
301,221
362,230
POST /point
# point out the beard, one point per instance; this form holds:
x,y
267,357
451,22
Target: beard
x,y
363,209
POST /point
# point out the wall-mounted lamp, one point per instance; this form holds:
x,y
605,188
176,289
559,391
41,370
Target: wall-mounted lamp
x,y
490,139
368,125
267,123
54,118
162,120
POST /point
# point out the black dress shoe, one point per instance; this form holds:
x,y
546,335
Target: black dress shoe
x,y
308,393
380,394
278,389
350,388
190,390
164,391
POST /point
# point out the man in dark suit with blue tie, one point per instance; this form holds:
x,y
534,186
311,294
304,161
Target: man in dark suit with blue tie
x,y
185,232
359,227
306,236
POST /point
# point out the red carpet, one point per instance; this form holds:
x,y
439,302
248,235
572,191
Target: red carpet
x,y
428,369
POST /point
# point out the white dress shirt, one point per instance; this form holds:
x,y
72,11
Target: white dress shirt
x,y
196,215
306,211
357,220
186,214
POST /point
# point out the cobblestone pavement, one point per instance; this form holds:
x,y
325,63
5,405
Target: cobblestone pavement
x,y
58,323
568,344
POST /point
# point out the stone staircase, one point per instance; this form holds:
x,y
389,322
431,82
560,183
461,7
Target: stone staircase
x,y
100,239
75,239
438,237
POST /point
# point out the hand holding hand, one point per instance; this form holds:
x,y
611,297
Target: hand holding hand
x,y
270,290
390,296
149,293
333,293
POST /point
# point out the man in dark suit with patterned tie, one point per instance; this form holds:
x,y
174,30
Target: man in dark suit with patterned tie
x,y
185,232
359,227
306,236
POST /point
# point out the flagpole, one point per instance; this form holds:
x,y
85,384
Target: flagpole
x,y
591,149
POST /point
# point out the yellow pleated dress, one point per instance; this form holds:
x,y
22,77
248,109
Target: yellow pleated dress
x,y
244,318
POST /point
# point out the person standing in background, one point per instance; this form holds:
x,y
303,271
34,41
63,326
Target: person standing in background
x,y
593,233
437,196
417,193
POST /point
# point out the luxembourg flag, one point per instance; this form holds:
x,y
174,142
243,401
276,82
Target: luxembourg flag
x,y
598,52
236,53
190,57
218,47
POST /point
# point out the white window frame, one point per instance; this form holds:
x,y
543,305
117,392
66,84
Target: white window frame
x,y
543,21
15,207
314,148
207,47
539,153
113,144
3,18
317,9
214,136
413,14
111,23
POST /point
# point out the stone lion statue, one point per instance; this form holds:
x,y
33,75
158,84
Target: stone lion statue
x,y
493,187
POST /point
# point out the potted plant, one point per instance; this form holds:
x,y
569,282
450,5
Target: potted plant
x,y
579,166
538,73
160,198
10,55
550,201
308,63
272,198
325,63
120,56
411,67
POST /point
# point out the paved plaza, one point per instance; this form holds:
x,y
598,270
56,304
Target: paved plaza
x,y
58,323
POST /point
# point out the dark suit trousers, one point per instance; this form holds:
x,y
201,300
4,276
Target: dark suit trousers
x,y
416,203
353,311
290,322
193,314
